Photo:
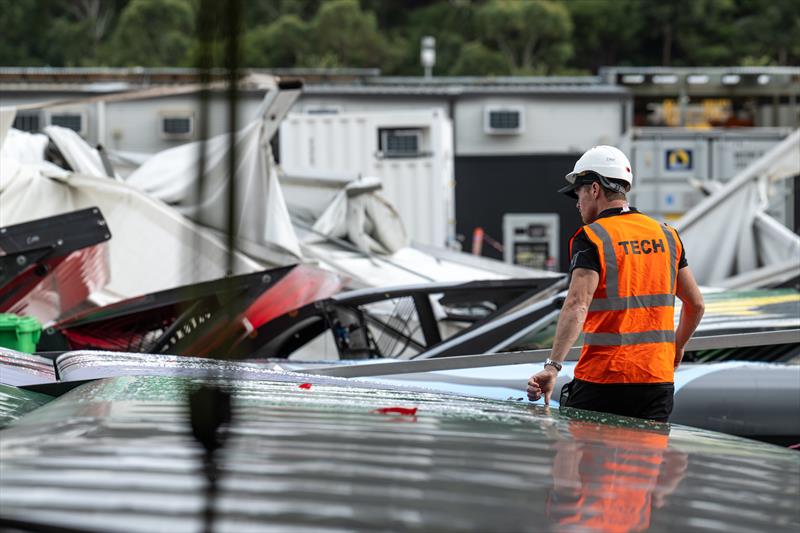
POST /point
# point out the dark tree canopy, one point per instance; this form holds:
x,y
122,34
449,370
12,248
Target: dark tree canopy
x,y
473,37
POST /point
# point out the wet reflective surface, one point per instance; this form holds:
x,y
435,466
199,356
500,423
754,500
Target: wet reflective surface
x,y
118,455
15,402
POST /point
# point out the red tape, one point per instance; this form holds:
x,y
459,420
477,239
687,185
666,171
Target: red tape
x,y
409,411
304,386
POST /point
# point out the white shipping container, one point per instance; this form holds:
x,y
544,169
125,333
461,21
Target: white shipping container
x,y
733,153
666,160
411,152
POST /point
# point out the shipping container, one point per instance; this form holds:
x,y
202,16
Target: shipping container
x,y
666,161
410,151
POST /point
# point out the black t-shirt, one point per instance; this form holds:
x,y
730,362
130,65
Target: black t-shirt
x,y
584,252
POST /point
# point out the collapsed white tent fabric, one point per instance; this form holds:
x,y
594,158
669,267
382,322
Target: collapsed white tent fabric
x,y
728,234
7,115
24,147
356,213
82,158
331,208
262,227
152,247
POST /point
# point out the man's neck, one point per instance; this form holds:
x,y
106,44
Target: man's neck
x,y
613,204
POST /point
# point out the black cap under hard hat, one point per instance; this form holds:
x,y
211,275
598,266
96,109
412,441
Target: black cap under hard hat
x,y
587,178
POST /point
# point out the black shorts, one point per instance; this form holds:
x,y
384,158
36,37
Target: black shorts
x,y
651,401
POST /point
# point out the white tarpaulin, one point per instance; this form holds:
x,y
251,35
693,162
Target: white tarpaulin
x,y
728,234
82,158
24,147
262,226
351,210
7,115
152,247
348,228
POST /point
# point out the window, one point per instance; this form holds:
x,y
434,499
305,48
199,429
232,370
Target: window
x,y
73,121
177,125
503,121
27,122
394,142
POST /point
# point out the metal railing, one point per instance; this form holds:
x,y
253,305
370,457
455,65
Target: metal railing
x,y
739,340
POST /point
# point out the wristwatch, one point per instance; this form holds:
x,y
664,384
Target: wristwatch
x,y
554,364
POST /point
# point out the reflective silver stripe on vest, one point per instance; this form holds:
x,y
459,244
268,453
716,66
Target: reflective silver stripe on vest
x,y
673,257
626,339
623,303
612,270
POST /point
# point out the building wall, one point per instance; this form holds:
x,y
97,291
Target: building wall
x,y
551,125
135,125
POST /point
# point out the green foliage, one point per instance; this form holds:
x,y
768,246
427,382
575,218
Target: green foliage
x,y
475,59
769,30
534,35
452,24
284,42
606,32
346,35
153,33
473,37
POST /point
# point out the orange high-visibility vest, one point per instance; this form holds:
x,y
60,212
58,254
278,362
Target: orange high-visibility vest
x,y
629,332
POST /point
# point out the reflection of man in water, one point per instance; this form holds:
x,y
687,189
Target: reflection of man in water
x,y
608,478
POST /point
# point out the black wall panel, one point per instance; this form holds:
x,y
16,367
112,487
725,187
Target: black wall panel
x,y
487,187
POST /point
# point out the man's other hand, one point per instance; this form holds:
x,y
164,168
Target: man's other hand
x,y
542,383
678,357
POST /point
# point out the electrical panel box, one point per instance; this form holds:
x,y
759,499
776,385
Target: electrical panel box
x,y
531,240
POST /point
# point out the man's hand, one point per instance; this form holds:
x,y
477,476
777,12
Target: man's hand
x,y
678,357
542,383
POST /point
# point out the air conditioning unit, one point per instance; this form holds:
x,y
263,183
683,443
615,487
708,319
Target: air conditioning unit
x,y
176,124
503,120
400,142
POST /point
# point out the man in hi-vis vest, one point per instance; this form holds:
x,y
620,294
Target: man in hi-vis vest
x,y
625,272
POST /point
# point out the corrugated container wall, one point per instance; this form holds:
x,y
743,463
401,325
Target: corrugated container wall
x,y
411,152
666,161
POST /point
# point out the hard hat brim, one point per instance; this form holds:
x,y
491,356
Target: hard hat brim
x,y
569,190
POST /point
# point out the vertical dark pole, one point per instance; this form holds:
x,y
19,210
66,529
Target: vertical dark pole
x,y
232,77
210,405
205,32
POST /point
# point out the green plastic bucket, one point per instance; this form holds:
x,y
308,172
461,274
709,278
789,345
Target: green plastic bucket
x,y
20,333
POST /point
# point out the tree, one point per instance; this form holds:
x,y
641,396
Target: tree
x,y
282,44
606,32
265,12
348,35
452,23
534,35
153,33
477,60
768,31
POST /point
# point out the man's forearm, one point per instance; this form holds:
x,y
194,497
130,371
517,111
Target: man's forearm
x,y
570,323
690,319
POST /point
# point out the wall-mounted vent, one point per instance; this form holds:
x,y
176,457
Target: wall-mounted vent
x,y
503,120
30,122
400,142
74,120
177,125
324,110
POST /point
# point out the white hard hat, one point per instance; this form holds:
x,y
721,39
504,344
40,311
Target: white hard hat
x,y
600,162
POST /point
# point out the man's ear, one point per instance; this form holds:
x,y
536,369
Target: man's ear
x,y
595,190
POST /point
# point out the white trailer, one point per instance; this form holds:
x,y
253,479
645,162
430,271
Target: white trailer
x,y
410,151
